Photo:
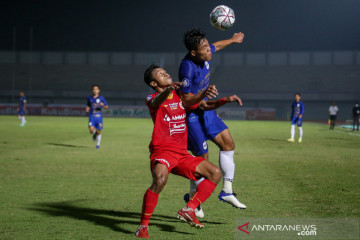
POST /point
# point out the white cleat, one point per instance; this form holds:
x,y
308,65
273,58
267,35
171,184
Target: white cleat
x,y
231,199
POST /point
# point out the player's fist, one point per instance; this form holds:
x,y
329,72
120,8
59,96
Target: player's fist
x,y
101,104
235,98
211,92
176,85
238,37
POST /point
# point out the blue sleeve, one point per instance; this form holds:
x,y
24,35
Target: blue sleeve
x,y
302,108
186,75
88,102
212,49
104,101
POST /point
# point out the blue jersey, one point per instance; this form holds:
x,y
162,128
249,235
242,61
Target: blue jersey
x,y
22,103
195,78
297,109
94,105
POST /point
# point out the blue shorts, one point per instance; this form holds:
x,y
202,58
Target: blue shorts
x,y
21,112
296,120
202,126
96,122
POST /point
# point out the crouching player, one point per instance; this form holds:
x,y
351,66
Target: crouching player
x,y
168,149
94,105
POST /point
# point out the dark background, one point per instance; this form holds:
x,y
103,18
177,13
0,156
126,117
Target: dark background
x,y
148,26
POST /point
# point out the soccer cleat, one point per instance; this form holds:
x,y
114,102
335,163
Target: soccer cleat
x,y
97,146
189,217
291,140
231,199
300,140
198,211
142,232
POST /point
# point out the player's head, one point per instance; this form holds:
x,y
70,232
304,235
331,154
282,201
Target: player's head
x,y
157,77
297,97
22,94
333,103
95,89
197,45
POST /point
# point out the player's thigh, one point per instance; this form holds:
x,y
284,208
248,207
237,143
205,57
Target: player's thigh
x,y
224,141
197,138
208,170
299,122
186,167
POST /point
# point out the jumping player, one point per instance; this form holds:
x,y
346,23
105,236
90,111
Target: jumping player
x,y
95,103
194,73
168,147
21,109
298,108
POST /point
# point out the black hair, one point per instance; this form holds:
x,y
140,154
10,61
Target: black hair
x,y
193,37
298,94
148,78
95,85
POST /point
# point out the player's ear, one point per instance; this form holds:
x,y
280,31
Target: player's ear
x,y
193,53
153,84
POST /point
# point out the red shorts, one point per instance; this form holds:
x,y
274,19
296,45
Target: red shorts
x,y
182,164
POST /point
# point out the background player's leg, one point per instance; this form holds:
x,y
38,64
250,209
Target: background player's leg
x,y
98,138
292,131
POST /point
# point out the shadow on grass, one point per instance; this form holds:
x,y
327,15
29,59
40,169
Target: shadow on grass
x,y
275,140
66,145
103,217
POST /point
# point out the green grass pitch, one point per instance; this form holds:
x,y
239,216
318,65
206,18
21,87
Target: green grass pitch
x,y
54,184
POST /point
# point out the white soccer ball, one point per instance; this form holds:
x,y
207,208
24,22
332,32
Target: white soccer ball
x,y
222,17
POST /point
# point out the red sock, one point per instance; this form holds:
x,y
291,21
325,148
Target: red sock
x,y
149,204
204,190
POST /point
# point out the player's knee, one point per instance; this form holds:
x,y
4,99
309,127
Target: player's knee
x,y
228,146
160,179
216,174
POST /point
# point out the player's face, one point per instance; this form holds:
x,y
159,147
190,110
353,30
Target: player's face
x,y
22,94
162,78
203,51
297,98
96,91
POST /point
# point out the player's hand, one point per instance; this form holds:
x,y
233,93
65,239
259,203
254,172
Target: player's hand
x,y
211,92
101,104
300,116
176,85
235,98
238,37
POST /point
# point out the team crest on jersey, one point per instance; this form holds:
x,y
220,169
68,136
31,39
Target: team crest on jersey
x,y
207,65
97,100
177,127
167,118
171,95
298,105
185,83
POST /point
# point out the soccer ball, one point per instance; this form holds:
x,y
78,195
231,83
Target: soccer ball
x,y
222,17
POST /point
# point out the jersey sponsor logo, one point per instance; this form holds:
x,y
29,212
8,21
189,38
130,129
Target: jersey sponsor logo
x,y
149,97
179,117
163,161
173,106
207,65
298,105
185,83
205,145
167,118
177,127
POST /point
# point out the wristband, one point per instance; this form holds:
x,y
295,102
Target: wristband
x,y
222,101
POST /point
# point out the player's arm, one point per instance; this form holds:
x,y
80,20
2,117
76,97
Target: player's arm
x,y
301,110
161,97
190,99
104,104
213,104
236,38
24,105
88,105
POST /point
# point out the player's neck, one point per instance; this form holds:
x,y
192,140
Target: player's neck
x,y
95,96
197,60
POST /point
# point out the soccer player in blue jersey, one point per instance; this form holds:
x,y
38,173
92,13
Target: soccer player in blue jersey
x,y
298,108
194,73
21,109
95,103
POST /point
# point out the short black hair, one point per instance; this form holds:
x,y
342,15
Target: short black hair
x,y
298,94
193,37
95,85
148,78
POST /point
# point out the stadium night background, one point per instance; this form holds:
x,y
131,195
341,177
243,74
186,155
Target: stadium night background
x,y
56,185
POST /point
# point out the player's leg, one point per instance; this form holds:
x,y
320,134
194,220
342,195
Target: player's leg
x,y
22,118
99,127
301,131
92,128
227,165
195,168
160,174
292,129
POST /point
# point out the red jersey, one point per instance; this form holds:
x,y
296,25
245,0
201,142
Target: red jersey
x,y
170,131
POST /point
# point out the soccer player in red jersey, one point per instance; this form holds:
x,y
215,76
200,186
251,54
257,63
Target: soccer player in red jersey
x,y
168,148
